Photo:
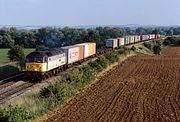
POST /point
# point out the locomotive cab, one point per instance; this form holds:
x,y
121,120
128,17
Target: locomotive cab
x,y
36,63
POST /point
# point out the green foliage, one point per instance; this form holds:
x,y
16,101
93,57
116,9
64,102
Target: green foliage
x,y
41,48
15,114
166,42
169,33
172,41
75,76
112,57
121,51
148,45
133,48
157,49
88,74
158,42
53,91
16,53
140,48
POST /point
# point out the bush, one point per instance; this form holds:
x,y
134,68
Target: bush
x,y
172,41
75,76
148,45
88,74
112,57
133,48
140,48
121,51
157,49
167,42
55,91
96,66
15,114
158,42
102,61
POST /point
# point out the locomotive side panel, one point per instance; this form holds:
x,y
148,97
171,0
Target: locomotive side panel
x,y
56,61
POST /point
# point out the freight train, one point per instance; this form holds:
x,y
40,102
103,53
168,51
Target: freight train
x,y
44,64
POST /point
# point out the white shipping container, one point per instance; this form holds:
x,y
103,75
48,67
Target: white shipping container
x,y
111,43
72,53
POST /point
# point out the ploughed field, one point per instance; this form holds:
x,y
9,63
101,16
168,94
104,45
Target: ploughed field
x,y
141,89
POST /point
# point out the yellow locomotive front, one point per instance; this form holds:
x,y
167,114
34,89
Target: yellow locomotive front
x,y
36,64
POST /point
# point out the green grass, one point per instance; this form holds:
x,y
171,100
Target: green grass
x,y
4,54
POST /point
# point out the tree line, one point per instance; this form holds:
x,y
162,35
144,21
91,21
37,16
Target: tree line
x,y
57,37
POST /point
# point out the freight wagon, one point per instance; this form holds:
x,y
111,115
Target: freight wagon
x,y
112,43
73,53
127,40
137,38
120,41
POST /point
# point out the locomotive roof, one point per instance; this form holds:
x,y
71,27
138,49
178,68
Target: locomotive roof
x,y
47,53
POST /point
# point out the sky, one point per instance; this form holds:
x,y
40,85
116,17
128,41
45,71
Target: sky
x,y
89,12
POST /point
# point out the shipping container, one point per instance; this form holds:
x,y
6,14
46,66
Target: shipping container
x,y
132,39
127,40
85,49
153,36
136,38
158,35
81,52
145,37
142,38
120,41
150,36
113,43
92,48
73,53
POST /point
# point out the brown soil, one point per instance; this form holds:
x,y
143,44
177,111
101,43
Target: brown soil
x,y
142,89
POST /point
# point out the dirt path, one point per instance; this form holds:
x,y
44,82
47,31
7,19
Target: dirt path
x,y
142,89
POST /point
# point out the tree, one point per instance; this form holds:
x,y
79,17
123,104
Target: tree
x,y
41,48
157,49
16,53
169,33
140,31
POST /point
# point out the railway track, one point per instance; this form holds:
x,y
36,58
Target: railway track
x,y
13,86
13,91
